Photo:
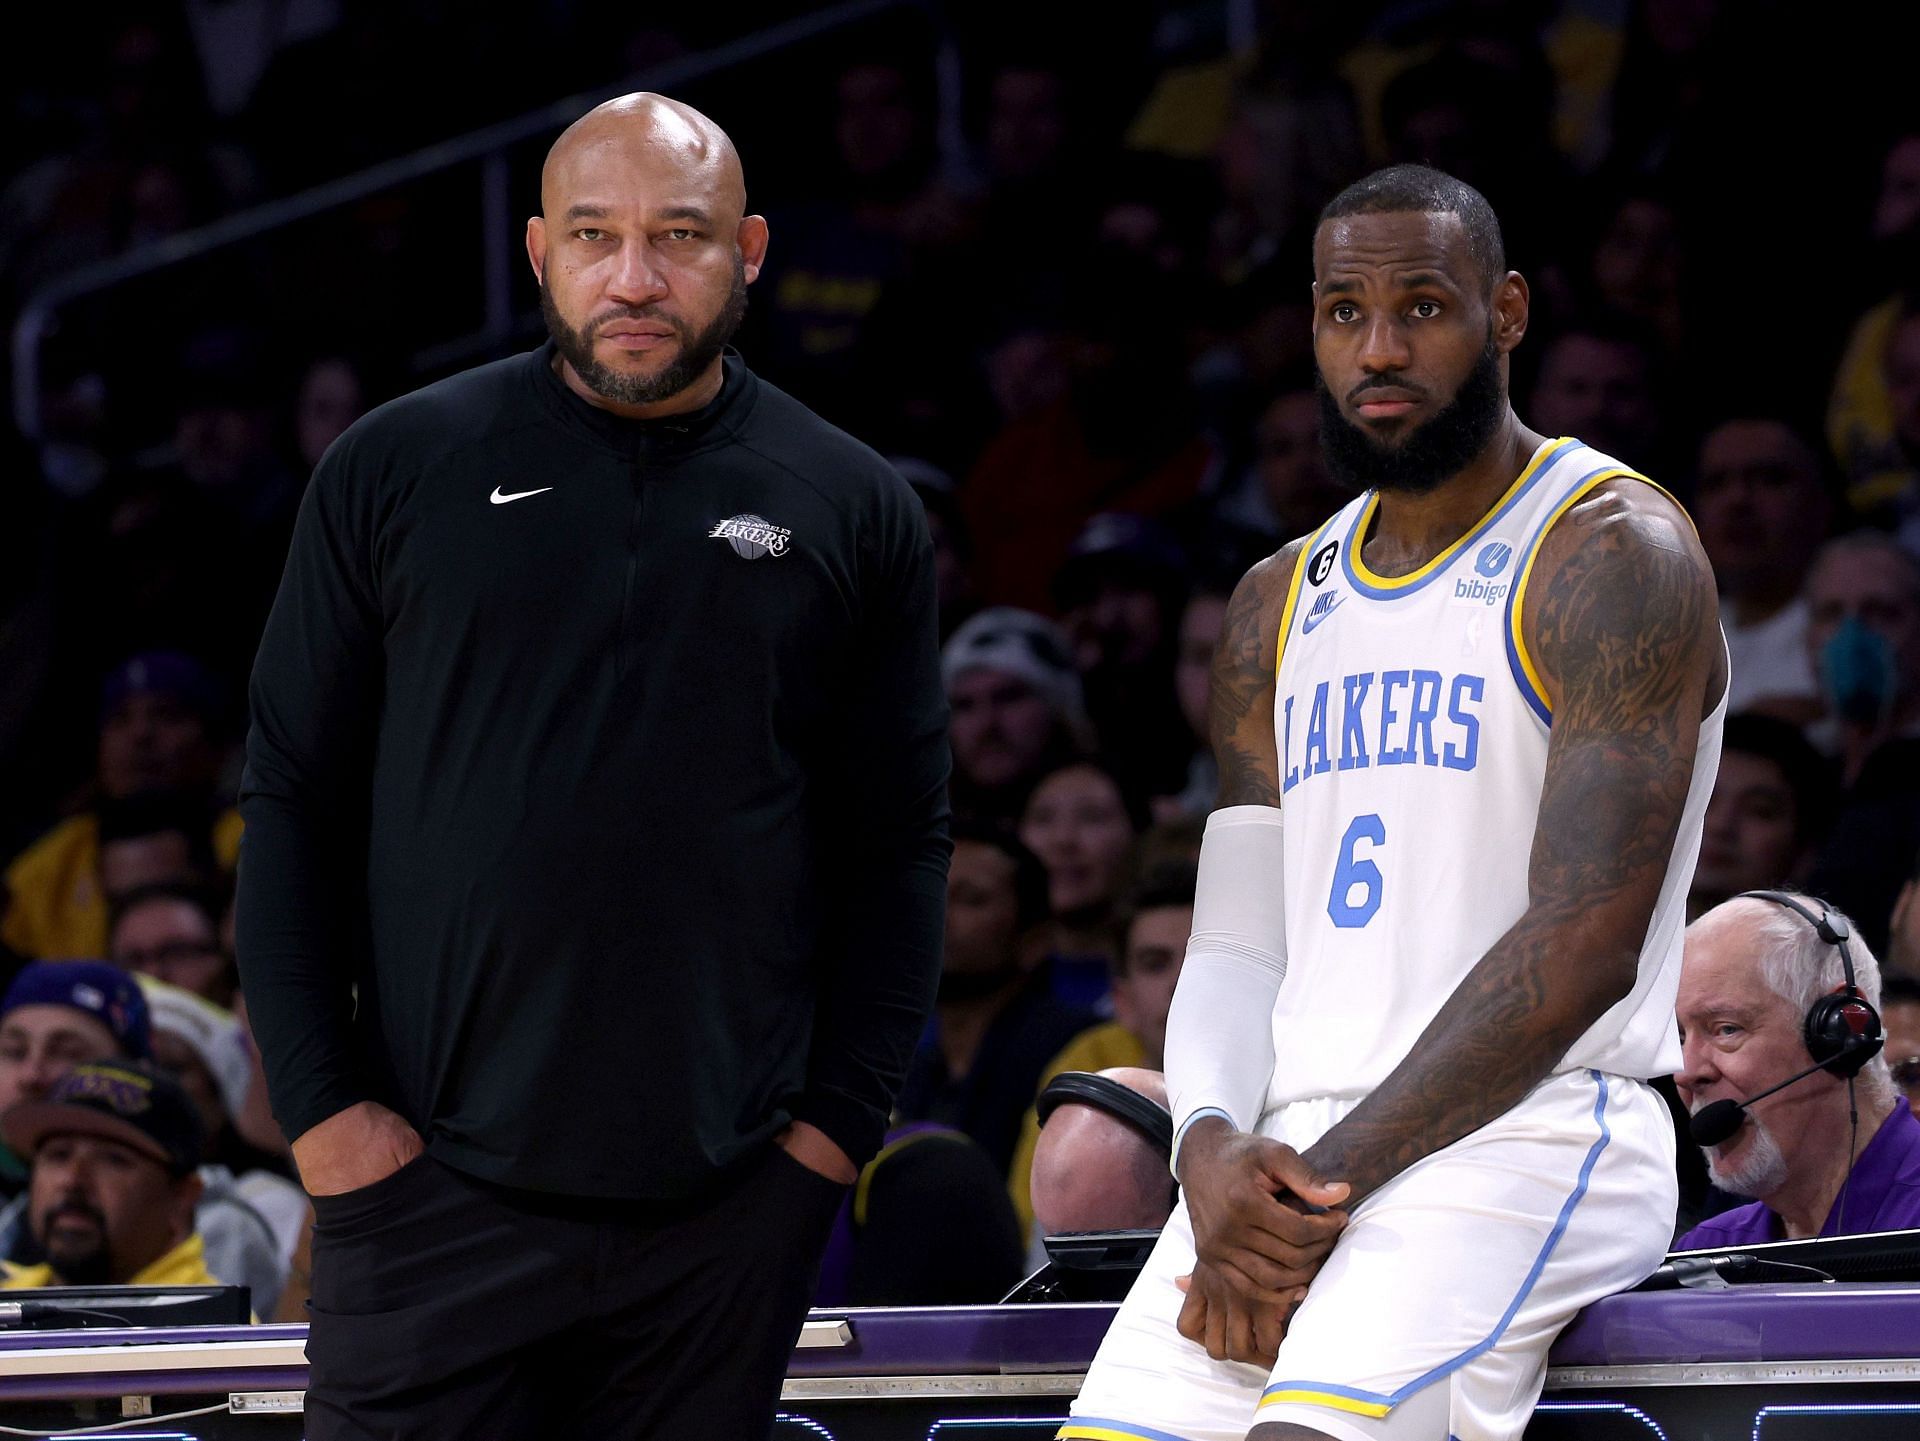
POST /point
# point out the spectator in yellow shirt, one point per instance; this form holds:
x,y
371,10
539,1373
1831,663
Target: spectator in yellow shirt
x,y
160,734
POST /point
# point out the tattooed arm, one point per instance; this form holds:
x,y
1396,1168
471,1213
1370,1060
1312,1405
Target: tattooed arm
x,y
1240,708
1622,622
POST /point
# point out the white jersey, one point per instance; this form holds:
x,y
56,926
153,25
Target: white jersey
x,y
1412,734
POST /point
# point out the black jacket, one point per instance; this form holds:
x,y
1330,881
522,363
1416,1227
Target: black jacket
x,y
609,759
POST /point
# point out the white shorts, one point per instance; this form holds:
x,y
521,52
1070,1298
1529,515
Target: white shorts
x,y
1433,1313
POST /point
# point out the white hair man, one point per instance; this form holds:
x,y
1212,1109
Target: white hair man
x,y
1765,992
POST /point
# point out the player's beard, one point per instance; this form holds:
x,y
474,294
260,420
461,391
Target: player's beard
x,y
698,349
1761,1171
1428,455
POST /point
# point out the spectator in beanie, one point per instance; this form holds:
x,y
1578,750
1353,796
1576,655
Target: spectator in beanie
x,y
1017,709
57,1015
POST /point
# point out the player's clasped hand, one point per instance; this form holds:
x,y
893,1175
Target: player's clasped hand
x,y
1259,1235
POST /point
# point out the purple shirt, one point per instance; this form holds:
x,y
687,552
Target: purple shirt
x,y
1882,1194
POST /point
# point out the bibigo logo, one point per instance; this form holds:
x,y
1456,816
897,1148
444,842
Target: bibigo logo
x,y
1492,560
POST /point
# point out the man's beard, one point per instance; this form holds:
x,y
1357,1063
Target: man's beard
x,y
1761,1172
90,1267
1428,456
697,350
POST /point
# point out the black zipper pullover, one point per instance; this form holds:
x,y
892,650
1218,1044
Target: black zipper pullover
x,y
609,760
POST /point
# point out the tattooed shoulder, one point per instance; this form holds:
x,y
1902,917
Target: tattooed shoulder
x,y
1240,707
1623,611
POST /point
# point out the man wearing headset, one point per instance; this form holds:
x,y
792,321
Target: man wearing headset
x,y
1777,994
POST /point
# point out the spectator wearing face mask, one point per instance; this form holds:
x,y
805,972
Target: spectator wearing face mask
x,y
1864,637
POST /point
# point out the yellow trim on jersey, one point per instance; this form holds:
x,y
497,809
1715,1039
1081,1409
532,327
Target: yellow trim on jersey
x,y
1585,488
1327,1399
1071,1432
1300,564
1354,542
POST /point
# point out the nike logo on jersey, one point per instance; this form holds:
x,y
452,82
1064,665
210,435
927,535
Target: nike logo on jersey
x,y
501,499
1325,606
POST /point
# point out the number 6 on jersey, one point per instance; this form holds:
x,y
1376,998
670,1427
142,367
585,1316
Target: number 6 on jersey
x,y
1353,874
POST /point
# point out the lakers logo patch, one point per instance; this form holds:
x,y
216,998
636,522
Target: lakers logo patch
x,y
753,536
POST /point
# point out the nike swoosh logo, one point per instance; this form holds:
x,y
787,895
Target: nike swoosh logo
x,y
1307,625
498,499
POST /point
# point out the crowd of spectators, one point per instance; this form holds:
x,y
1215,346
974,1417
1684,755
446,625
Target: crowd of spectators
x,y
1073,309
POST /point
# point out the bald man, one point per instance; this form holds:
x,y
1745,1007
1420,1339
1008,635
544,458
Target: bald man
x,y
1093,1171
596,841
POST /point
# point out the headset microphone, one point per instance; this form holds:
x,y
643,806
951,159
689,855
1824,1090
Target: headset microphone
x,y
1712,1124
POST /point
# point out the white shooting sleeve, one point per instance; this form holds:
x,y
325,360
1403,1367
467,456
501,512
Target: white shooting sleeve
x,y
1220,1030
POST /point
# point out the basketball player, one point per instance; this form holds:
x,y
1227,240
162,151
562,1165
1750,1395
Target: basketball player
x,y
1486,697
